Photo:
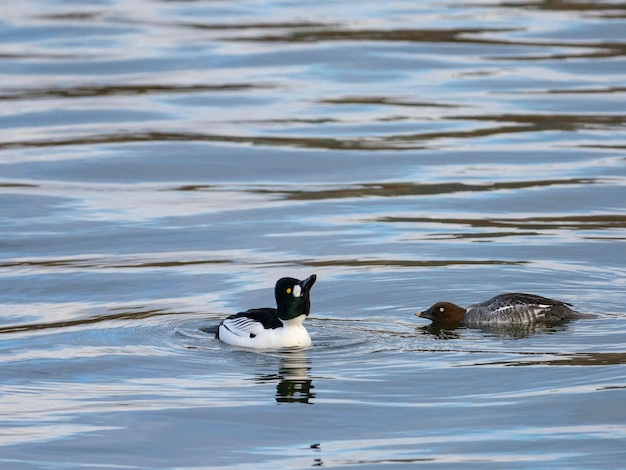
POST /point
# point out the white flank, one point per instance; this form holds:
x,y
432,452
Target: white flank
x,y
238,333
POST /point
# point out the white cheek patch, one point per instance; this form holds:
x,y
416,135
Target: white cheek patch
x,y
297,291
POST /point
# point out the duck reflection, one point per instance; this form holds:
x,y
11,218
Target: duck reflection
x,y
505,331
437,331
294,382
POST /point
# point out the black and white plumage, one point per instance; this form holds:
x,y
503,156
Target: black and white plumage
x,y
278,327
503,309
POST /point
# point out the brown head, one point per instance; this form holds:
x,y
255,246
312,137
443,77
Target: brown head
x,y
444,313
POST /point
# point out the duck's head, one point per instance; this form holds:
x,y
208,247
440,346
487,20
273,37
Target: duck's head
x,y
292,296
444,313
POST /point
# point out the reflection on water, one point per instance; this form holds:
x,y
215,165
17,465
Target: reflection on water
x,y
505,331
438,331
413,189
293,379
580,222
123,90
130,315
582,359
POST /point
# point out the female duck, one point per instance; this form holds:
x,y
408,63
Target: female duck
x,y
280,327
503,309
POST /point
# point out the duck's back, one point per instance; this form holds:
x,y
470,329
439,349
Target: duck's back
x,y
518,308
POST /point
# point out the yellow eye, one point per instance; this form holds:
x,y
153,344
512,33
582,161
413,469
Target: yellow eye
x,y
288,290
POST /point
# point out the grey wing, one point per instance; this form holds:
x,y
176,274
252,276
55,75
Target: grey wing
x,y
553,310
521,313
513,308
530,299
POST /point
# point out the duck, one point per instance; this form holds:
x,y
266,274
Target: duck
x,y
503,309
273,328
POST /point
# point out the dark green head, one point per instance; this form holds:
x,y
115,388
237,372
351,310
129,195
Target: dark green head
x,y
292,296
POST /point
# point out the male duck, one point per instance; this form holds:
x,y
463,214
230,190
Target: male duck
x,y
280,327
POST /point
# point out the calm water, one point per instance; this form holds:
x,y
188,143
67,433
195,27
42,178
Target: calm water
x,y
162,163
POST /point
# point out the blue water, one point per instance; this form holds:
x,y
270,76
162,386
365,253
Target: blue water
x,y
162,164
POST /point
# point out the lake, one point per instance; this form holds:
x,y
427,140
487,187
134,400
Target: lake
x,y
163,163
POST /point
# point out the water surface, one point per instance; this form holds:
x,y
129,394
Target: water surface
x,y
162,164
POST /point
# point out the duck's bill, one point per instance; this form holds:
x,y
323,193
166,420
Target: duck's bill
x,y
425,314
307,283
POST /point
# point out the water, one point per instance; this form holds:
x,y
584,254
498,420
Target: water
x,y
163,163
